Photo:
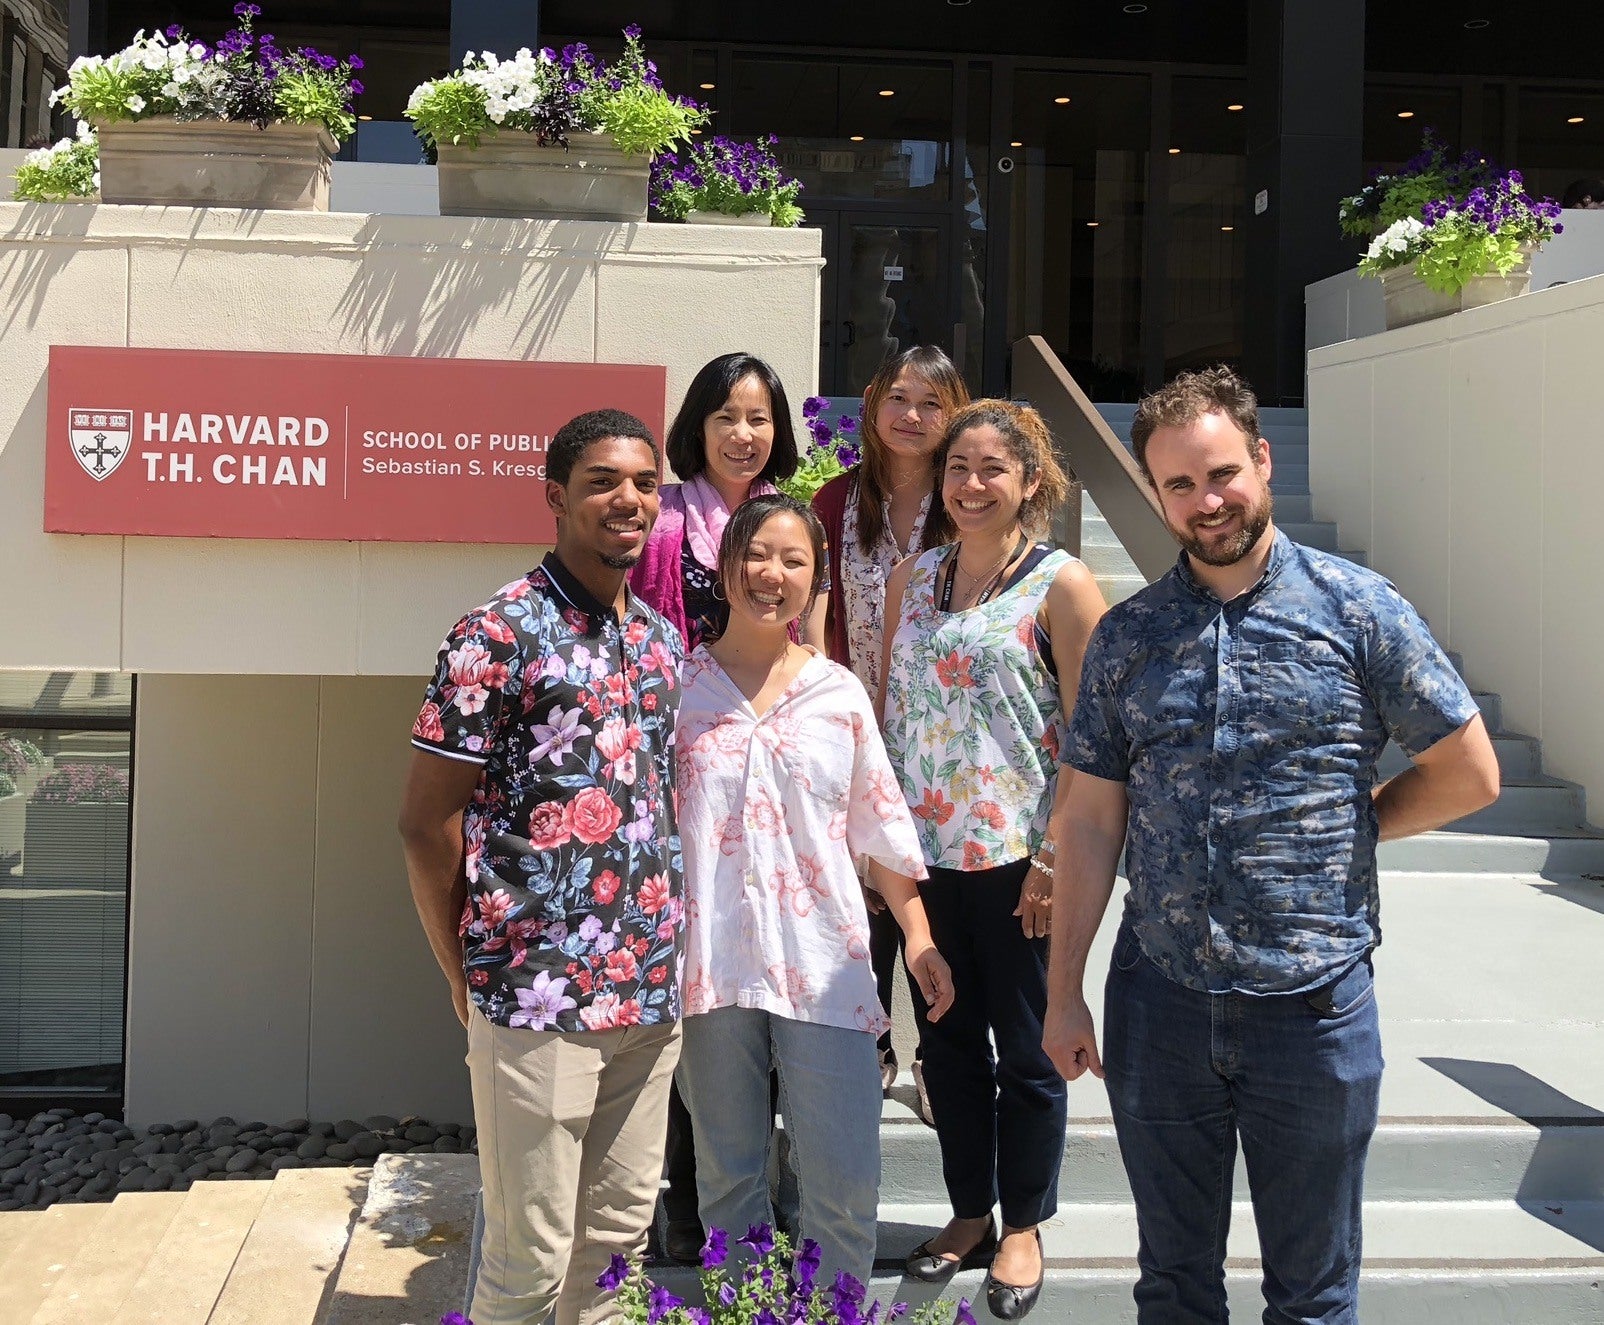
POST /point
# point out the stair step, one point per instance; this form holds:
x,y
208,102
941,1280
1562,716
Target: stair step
x,y
1552,856
99,1278
1507,1263
408,1255
1528,808
40,1256
191,1263
288,1264
14,1224
1518,759
1496,1160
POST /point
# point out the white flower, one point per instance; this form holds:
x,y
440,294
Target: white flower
x,y
135,103
84,131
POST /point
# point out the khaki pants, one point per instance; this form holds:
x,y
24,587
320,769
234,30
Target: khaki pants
x,y
571,1129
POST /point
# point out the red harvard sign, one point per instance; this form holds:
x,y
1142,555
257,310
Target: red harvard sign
x,y
211,443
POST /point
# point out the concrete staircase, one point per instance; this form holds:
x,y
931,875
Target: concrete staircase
x,y
329,1246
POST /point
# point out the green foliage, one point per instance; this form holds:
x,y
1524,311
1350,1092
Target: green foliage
x,y
307,97
66,172
551,96
727,177
449,110
7,786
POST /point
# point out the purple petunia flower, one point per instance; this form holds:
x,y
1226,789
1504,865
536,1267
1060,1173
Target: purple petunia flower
x,y
965,1316
716,1250
355,62
454,1318
357,87
633,32
848,1288
726,1294
660,1303
846,423
616,1272
848,456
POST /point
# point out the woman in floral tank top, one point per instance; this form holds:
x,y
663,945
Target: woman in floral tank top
x,y
983,638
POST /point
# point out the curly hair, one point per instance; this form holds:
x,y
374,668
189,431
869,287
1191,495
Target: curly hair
x,y
1025,435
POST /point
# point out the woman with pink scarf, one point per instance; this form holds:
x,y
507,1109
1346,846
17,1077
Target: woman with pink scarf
x,y
731,440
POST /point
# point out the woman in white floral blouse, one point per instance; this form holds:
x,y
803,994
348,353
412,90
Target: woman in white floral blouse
x,y
874,516
983,639
782,783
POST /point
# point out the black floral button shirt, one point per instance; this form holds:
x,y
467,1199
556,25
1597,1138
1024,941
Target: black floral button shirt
x,y
575,907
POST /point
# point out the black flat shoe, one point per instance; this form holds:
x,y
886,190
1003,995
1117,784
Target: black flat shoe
x,y
1014,1301
931,1267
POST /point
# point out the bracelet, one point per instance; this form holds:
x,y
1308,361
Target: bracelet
x,y
1037,863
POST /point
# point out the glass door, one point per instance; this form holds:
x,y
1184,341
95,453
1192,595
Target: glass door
x,y
885,290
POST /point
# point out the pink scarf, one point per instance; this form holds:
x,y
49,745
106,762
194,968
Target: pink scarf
x,y
706,515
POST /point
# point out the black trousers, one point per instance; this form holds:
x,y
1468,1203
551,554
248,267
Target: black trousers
x,y
885,955
999,1117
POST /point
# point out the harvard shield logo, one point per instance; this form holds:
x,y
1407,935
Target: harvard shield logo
x,y
100,439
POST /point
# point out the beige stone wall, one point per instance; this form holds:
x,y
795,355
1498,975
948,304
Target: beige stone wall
x,y
276,967
340,283
1463,455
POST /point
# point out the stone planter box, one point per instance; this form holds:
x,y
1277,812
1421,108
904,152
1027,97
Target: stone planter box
x,y
1408,299
508,175
212,163
85,844
719,218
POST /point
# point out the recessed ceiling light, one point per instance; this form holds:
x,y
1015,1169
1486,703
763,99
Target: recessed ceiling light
x,y
1175,151
1574,119
1406,115
1226,229
1093,224
1235,105
1136,9
857,138
1060,101
1476,24
1016,144
364,118
708,87
888,92
696,133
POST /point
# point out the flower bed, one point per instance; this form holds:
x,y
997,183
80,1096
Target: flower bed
x,y
725,178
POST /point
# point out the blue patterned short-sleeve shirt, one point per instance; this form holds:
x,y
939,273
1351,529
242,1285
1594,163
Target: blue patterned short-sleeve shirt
x,y
1247,735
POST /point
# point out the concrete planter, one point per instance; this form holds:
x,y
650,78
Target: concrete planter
x,y
214,163
509,175
719,218
84,844
1408,299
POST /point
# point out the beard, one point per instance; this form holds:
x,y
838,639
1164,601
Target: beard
x,y
1230,550
620,561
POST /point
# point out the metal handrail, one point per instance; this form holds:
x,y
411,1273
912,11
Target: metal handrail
x,y
1094,456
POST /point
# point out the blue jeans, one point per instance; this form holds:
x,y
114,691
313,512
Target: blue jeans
x,y
1298,1078
830,1100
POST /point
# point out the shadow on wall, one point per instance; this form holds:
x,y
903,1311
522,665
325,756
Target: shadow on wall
x,y
1565,1175
418,300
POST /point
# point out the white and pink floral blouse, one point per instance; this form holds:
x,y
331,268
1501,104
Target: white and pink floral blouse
x,y
773,811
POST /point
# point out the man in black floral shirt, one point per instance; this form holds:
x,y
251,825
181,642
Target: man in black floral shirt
x,y
549,729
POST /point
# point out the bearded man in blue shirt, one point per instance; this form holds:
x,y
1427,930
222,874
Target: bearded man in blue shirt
x,y
1226,734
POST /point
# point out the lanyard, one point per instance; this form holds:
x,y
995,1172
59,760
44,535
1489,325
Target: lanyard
x,y
952,572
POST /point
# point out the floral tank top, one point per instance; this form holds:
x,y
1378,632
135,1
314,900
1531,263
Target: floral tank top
x,y
974,719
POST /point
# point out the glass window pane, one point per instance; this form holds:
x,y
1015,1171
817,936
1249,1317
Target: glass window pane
x,y
1552,151
1397,116
1206,254
840,135
972,236
1080,144
64,814
44,695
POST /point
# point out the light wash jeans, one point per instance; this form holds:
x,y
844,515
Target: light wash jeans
x,y
830,1101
